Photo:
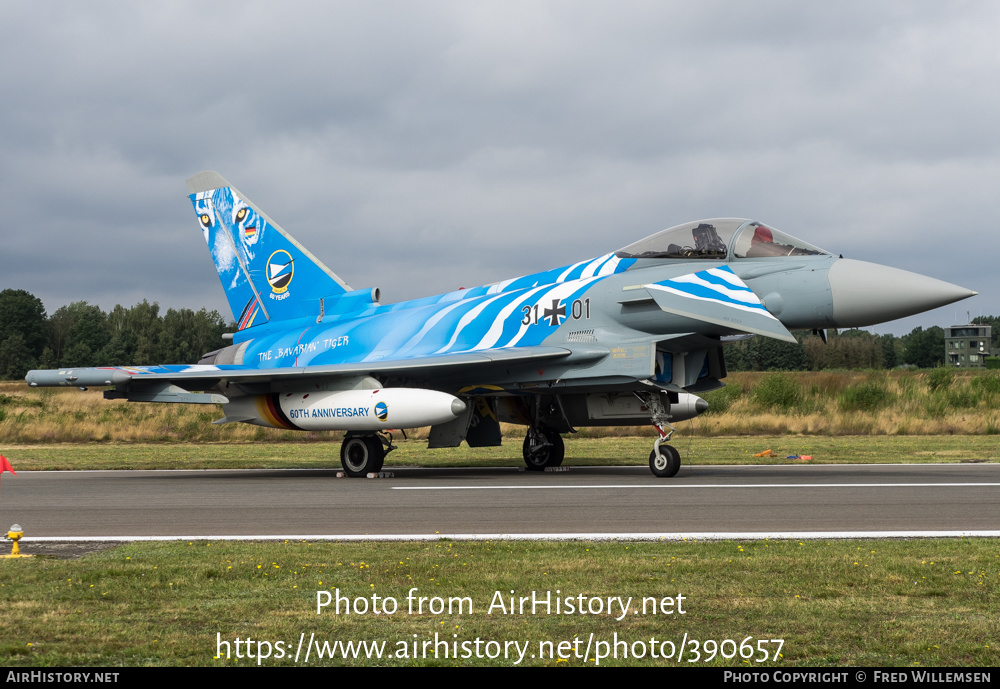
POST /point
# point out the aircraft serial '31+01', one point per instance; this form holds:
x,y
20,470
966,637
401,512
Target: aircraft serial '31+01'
x,y
627,338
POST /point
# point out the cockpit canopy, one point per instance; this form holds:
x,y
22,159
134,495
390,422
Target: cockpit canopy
x,y
713,239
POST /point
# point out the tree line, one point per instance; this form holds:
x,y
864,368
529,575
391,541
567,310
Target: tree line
x,y
81,334
847,349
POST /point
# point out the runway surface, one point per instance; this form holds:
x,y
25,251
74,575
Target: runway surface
x,y
700,501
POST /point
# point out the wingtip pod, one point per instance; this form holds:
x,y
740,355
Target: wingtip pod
x,y
77,377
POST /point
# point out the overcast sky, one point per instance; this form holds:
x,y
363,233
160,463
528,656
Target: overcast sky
x,y
424,146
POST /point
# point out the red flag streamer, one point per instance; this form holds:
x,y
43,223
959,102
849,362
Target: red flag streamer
x,y
5,466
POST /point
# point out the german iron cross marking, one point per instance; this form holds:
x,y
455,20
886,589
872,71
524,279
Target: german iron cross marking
x,y
555,313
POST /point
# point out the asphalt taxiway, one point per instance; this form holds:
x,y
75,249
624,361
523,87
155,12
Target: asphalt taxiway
x,y
700,501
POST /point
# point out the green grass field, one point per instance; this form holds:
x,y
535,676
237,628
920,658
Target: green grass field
x,y
918,603
579,451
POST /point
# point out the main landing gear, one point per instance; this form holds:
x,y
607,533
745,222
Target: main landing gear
x,y
543,448
664,460
361,455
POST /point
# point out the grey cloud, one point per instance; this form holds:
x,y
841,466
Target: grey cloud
x,y
425,146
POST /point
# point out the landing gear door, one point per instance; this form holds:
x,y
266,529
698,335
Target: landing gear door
x,y
484,427
478,426
452,433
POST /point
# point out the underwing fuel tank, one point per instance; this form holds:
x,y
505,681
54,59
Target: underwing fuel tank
x,y
348,410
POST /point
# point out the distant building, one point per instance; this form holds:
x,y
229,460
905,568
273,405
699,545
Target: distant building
x,y
967,345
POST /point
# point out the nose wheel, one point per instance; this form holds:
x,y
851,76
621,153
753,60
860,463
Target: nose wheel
x,y
664,461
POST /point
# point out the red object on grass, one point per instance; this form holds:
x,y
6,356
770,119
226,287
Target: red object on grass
x,y
5,466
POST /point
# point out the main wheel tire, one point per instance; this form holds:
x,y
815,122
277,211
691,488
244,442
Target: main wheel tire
x,y
360,455
665,464
551,455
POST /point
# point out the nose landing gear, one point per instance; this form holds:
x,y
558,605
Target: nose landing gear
x,y
664,460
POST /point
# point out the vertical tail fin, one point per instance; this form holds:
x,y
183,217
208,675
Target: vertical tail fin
x,y
266,274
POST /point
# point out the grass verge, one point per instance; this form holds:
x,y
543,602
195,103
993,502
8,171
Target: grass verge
x,y
883,603
622,451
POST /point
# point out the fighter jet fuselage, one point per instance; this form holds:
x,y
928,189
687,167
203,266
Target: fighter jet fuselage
x,y
626,338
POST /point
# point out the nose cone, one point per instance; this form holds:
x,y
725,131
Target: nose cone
x,y
867,293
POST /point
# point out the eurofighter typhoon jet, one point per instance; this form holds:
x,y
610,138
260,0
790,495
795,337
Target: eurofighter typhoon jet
x,y
627,338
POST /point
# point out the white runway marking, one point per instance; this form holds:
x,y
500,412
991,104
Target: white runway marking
x,y
604,486
660,536
617,469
